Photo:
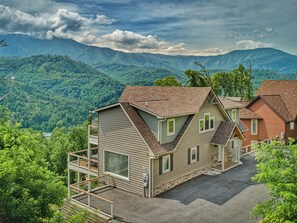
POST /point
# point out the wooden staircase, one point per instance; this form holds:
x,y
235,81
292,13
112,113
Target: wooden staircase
x,y
71,210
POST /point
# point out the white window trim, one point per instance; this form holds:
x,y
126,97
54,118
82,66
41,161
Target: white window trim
x,y
233,111
214,123
292,125
170,133
193,149
256,121
169,167
113,174
203,119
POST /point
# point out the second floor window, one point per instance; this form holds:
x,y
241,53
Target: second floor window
x,y
254,126
291,125
170,127
207,123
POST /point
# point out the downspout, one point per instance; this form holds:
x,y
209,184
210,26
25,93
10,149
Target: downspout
x,y
159,122
151,176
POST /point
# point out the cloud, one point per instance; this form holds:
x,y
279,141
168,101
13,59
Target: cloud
x,y
63,23
250,44
130,41
269,29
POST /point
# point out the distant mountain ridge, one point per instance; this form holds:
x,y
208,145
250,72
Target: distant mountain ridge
x,y
261,58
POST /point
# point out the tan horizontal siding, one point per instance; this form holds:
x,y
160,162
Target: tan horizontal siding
x,y
117,134
191,139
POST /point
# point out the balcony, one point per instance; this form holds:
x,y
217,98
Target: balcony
x,y
84,163
93,131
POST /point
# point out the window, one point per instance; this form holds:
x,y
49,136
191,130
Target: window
x,y
233,115
254,126
116,164
193,154
292,125
201,125
207,123
170,127
165,163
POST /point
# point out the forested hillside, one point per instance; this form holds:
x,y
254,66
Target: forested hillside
x,y
46,92
53,91
133,75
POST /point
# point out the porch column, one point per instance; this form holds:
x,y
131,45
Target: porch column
x,y
238,151
223,158
68,178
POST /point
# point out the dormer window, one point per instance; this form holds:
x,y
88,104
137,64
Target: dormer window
x,y
207,123
233,115
171,127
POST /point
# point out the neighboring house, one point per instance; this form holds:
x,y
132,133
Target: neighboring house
x,y
155,138
233,105
273,113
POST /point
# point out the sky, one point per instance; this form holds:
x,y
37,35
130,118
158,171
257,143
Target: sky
x,y
175,27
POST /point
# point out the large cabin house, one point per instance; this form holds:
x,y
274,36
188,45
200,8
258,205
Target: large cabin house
x,y
272,115
155,138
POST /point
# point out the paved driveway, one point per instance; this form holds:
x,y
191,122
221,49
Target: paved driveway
x,y
228,197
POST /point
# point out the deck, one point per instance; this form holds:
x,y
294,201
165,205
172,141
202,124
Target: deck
x,y
228,165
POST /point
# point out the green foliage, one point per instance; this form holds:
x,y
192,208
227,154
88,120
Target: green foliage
x,y
278,170
62,142
28,188
235,83
167,81
259,75
53,91
133,75
198,78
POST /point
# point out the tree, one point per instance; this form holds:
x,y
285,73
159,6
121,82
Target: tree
x,y
235,83
278,170
167,81
200,78
28,189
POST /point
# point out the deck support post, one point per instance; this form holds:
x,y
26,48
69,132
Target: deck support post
x,y
223,158
68,177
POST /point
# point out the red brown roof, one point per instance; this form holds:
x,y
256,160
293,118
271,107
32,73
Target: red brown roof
x,y
147,134
228,103
166,101
287,91
246,113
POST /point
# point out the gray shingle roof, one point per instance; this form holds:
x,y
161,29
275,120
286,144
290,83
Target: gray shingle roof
x,y
242,126
223,133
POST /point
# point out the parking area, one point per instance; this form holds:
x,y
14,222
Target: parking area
x,y
228,197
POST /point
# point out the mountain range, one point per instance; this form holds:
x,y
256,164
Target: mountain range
x,y
261,58
56,83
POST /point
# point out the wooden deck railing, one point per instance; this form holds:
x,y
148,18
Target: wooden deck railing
x,y
93,131
249,148
80,158
86,188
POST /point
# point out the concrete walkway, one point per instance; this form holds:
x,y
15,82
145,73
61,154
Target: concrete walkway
x,y
228,197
